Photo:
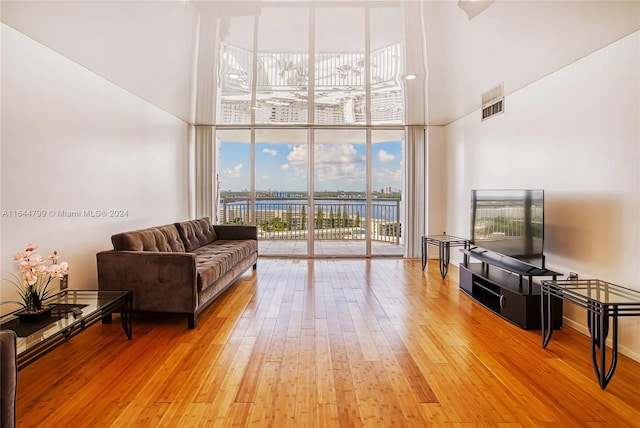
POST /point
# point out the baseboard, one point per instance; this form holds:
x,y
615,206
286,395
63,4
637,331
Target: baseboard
x,y
584,330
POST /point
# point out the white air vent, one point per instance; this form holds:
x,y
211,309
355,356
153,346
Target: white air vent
x,y
493,102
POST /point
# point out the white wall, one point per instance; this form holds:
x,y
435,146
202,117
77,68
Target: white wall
x,y
576,134
145,47
72,140
436,177
517,42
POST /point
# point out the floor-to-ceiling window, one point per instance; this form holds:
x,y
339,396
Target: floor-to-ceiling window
x,y
309,127
314,191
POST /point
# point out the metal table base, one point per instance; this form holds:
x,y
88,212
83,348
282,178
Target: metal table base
x,y
603,301
444,243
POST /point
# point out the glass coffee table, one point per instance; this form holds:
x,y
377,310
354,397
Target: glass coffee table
x,y
36,339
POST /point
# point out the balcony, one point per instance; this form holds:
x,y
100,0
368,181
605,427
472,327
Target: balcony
x,y
339,226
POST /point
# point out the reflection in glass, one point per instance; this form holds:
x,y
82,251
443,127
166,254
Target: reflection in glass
x,y
344,67
235,73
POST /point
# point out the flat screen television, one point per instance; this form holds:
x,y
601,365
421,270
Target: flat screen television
x,y
509,222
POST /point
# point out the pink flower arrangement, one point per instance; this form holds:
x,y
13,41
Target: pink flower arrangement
x,y
33,287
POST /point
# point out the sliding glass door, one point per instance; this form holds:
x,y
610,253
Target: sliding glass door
x,y
340,192
314,191
282,201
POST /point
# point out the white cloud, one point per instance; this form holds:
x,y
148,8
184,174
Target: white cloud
x,y
336,165
389,174
340,166
385,157
284,167
272,152
232,173
341,175
301,172
298,155
337,154
326,154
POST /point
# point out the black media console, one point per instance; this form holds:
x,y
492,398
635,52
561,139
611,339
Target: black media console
x,y
505,286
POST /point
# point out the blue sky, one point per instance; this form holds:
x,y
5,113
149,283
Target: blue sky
x,y
283,166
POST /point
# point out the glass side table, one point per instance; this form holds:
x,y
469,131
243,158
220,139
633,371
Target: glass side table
x,y
602,300
35,340
444,243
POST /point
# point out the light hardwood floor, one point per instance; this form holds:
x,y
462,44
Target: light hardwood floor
x,y
328,343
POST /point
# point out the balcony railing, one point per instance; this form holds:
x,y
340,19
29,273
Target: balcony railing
x,y
333,219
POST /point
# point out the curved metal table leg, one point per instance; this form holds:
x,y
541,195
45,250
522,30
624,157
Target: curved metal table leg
x,y
598,324
126,316
546,321
445,256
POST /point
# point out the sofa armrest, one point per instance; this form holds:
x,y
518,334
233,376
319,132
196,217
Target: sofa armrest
x,y
160,281
8,377
230,232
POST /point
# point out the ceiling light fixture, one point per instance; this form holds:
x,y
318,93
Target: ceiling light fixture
x,y
409,76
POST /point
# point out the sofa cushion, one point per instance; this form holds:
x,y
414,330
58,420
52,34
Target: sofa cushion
x,y
215,259
196,233
161,238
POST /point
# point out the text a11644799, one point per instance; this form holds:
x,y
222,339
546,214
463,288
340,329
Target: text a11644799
x,y
64,213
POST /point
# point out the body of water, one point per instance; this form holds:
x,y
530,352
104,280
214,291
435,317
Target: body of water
x,y
387,210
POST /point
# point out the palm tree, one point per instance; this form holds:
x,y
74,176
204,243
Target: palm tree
x,y
289,218
319,219
332,220
345,216
303,219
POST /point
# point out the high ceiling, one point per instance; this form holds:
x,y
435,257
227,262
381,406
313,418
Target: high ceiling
x,y
166,51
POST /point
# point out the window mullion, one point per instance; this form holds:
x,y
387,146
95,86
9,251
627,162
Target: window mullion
x,y
311,117
254,68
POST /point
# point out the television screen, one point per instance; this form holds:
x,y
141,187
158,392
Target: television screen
x,y
509,222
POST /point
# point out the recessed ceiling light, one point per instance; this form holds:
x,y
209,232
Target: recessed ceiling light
x,y
254,107
233,75
410,76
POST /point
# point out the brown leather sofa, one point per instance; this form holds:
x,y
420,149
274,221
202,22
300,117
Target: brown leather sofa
x,y
8,378
178,268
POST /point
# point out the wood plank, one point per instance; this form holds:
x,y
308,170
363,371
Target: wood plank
x,y
336,342
262,411
253,371
285,396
